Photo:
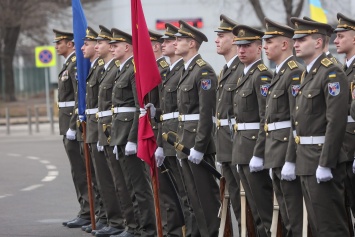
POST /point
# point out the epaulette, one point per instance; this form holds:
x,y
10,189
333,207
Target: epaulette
x,y
200,62
163,64
118,63
292,64
326,62
101,62
73,59
262,67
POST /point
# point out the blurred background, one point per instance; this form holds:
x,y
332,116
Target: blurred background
x,y
25,25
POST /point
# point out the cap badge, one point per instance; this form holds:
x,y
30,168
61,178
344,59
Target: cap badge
x,y
241,33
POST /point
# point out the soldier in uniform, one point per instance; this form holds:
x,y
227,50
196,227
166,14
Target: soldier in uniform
x,y
163,66
227,83
97,158
344,42
320,121
120,205
196,105
249,138
124,133
280,103
67,124
327,41
175,207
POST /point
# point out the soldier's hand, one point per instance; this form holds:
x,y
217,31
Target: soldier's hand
x,y
142,112
323,174
131,148
99,148
270,173
288,171
81,118
71,134
354,166
115,152
159,156
152,109
256,164
195,156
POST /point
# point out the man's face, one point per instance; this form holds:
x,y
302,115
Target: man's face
x,y
168,48
273,48
182,46
88,49
305,47
345,41
118,50
249,53
102,48
62,47
224,42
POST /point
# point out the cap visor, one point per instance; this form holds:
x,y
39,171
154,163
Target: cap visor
x,y
298,36
268,36
241,42
340,29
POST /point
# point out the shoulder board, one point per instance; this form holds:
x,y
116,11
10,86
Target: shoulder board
x,y
292,64
163,64
118,63
73,59
200,62
262,67
326,62
101,62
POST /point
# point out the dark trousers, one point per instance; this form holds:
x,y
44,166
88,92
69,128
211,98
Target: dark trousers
x,y
259,194
122,191
78,171
325,204
290,200
231,175
136,175
203,192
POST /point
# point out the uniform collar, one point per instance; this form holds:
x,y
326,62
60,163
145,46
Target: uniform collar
x,y
122,64
246,69
67,58
187,64
309,66
231,61
350,61
278,67
108,63
173,65
93,62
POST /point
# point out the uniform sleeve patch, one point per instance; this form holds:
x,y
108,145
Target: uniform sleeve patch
x,y
264,78
264,89
334,88
204,73
332,75
296,78
206,84
295,89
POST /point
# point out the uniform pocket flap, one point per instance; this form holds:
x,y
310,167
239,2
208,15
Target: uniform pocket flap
x,y
230,86
186,87
245,92
170,88
281,134
106,86
190,126
251,135
277,93
125,116
122,84
310,93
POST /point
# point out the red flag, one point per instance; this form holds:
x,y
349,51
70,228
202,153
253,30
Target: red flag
x,y
147,78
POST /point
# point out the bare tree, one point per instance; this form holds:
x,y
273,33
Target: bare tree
x,y
26,18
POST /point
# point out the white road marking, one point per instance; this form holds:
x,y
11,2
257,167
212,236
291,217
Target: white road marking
x,y
13,154
32,158
51,220
51,167
6,195
44,161
32,187
48,178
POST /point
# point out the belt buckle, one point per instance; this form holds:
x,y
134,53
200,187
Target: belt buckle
x,y
297,139
236,127
76,111
218,122
180,118
58,105
266,127
97,115
161,118
112,110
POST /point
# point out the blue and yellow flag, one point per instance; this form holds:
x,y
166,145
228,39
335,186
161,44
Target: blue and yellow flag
x,y
317,11
82,64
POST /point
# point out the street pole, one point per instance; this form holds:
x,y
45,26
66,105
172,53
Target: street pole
x,y
46,75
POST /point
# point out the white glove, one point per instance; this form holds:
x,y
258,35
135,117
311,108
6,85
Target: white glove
x,y
81,118
219,165
354,166
153,110
323,174
256,164
195,156
131,148
159,156
115,152
288,171
71,134
270,173
237,167
99,148
142,112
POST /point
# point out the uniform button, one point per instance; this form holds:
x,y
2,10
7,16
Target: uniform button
x,y
243,94
169,90
229,88
217,128
179,87
267,106
235,104
237,91
300,92
164,85
105,87
70,113
309,95
219,99
274,96
319,144
253,137
267,134
87,83
178,101
220,85
180,126
194,130
154,127
269,92
296,123
125,119
218,114
285,138
296,107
